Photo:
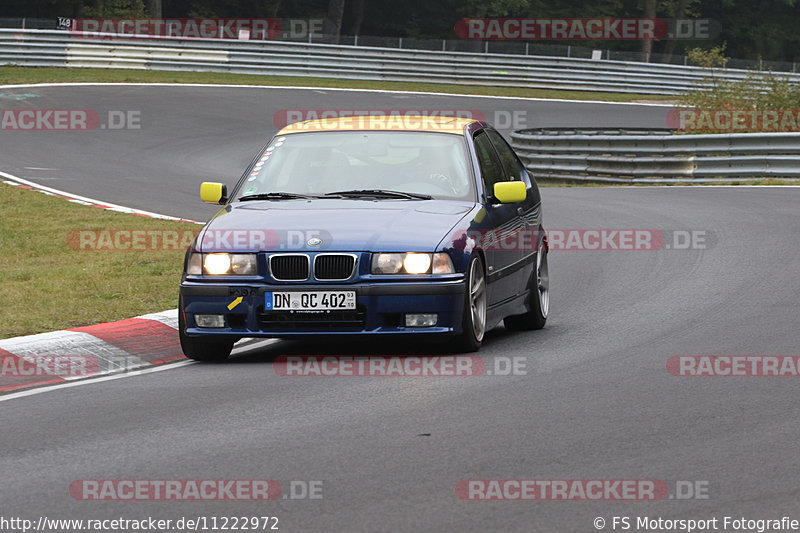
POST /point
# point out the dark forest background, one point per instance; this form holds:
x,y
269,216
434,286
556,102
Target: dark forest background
x,y
752,29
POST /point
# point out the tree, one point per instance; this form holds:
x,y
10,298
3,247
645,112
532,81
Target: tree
x,y
154,9
680,11
649,13
358,16
333,22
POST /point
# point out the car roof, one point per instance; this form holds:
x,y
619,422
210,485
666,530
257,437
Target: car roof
x,y
427,123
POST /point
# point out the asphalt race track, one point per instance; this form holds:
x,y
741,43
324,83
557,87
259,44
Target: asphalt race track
x,y
188,135
596,401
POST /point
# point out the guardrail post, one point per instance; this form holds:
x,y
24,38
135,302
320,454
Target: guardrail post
x,y
485,47
444,45
526,47
569,50
355,40
23,23
400,43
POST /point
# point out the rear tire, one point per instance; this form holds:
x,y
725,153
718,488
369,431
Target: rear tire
x,y
539,294
204,347
473,322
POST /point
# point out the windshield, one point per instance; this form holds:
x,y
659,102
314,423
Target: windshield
x,y
319,163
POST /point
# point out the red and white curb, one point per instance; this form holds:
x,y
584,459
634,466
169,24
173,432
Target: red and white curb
x,y
112,350
25,184
128,347
90,351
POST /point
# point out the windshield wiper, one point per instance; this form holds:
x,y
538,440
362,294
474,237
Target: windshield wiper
x,y
275,196
380,193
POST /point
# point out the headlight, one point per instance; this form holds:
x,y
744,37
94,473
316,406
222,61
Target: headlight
x,y
222,264
387,263
217,264
194,266
442,264
417,263
412,263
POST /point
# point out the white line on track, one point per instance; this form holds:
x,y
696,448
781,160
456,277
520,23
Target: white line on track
x,y
245,344
344,89
120,208
255,343
31,392
242,346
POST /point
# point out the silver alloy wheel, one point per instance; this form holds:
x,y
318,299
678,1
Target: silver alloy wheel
x,y
477,300
543,282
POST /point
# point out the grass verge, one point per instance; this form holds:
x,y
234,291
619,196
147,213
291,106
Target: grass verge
x,y
16,75
46,284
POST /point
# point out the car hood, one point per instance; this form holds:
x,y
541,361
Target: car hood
x,y
341,225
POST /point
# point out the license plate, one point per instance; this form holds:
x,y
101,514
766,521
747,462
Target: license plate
x,y
309,301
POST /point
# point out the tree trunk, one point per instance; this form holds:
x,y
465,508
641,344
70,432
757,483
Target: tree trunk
x,y
154,9
333,22
680,11
649,13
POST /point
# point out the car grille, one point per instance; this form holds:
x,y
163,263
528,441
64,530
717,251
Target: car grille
x,y
289,267
334,266
314,321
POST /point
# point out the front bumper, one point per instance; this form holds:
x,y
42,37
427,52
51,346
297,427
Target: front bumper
x,y
380,309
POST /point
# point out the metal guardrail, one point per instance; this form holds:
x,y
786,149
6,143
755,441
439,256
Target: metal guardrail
x,y
656,156
535,48
60,48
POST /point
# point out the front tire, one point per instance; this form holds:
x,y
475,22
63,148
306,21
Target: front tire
x,y
202,348
473,322
539,294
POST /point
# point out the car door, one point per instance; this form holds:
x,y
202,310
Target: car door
x,y
505,223
531,209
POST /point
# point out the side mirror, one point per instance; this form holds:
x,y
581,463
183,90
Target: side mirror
x,y
510,192
213,192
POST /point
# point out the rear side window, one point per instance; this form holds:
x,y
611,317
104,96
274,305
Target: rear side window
x,y
491,167
512,168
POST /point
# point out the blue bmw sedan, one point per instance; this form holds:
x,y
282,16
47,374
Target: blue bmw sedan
x,y
423,226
